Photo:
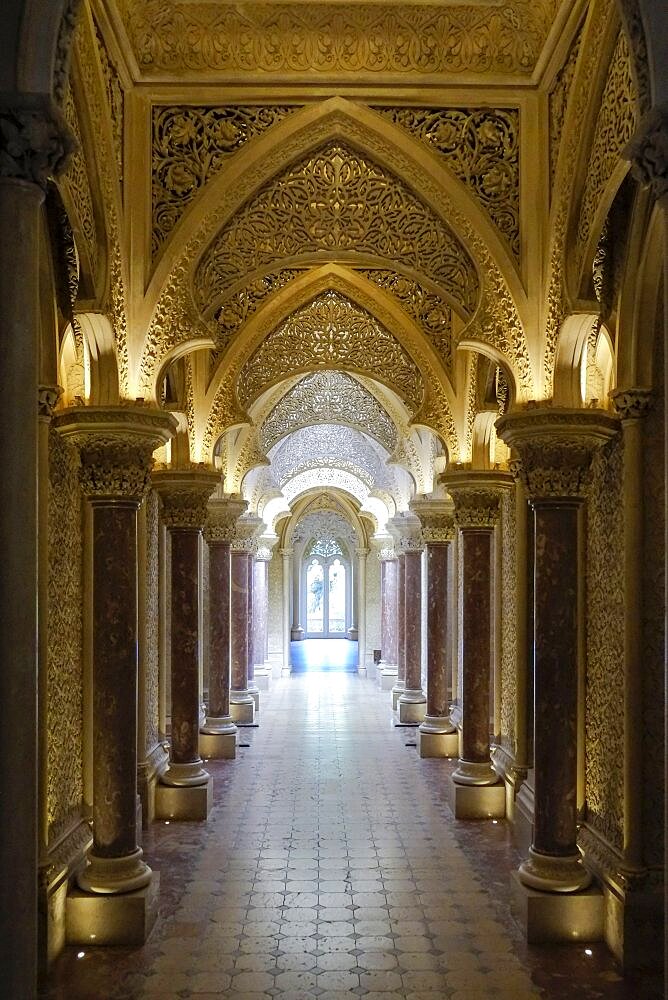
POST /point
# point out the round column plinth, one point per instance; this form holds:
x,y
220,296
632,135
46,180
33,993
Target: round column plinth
x,y
109,876
185,775
549,873
218,726
439,725
415,697
471,773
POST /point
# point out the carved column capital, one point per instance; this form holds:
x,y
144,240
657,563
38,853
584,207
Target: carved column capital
x,y
246,530
116,445
386,552
632,404
555,448
221,517
47,398
648,151
406,531
265,547
476,496
437,519
184,496
35,143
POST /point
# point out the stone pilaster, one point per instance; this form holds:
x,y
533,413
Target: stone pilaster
x,y
116,446
555,448
185,495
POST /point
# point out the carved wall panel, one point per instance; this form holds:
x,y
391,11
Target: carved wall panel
x,y
559,97
115,101
77,183
328,397
331,332
233,311
323,478
151,631
481,146
334,201
333,445
508,734
324,524
65,639
604,704
615,126
190,146
180,36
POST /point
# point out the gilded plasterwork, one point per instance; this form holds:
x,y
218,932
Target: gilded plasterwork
x,y
331,332
559,97
604,703
508,734
65,640
328,397
152,619
481,146
191,145
115,101
337,201
179,36
234,310
77,183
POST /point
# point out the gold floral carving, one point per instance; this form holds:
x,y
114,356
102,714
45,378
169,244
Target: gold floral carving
x,y
328,397
64,685
331,332
184,496
191,145
234,310
559,98
615,126
115,101
77,184
604,690
337,201
151,624
481,146
178,36
221,519
437,520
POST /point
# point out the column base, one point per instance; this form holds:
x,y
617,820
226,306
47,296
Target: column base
x,y
386,677
125,919
412,706
554,874
254,692
470,772
435,744
242,707
477,801
218,746
114,876
554,916
396,693
262,675
184,802
184,775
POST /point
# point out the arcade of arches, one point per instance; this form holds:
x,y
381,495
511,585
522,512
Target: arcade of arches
x,y
342,320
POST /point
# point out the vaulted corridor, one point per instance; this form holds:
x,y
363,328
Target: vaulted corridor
x,y
332,867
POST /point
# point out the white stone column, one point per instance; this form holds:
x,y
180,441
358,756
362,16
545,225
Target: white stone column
x,y
361,610
286,556
261,612
387,673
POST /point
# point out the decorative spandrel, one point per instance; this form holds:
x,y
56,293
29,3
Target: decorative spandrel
x,y
331,332
337,201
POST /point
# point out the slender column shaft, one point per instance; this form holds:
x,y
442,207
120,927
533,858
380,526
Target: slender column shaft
x,y
185,645
476,644
251,623
412,620
239,621
438,639
361,613
219,629
388,598
287,579
401,621
260,612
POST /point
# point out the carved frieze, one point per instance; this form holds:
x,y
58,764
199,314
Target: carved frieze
x,y
476,496
185,496
481,146
336,200
437,520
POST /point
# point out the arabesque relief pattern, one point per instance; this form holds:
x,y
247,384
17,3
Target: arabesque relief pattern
x,y
65,639
604,698
481,146
508,734
234,310
77,184
337,201
330,444
328,397
348,38
115,101
190,146
331,332
558,102
152,619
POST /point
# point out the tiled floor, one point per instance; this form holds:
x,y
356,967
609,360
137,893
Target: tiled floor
x,y
331,867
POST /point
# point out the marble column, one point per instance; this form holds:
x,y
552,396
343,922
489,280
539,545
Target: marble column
x,y
116,445
242,702
34,147
184,496
262,666
388,618
437,736
412,702
286,556
218,735
252,686
555,449
400,684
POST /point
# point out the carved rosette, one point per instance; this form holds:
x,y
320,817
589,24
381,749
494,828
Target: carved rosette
x,y
116,446
476,496
648,151
35,144
185,496
632,404
221,518
555,448
437,519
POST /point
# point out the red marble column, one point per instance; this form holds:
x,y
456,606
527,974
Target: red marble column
x,y
437,719
400,685
251,622
412,700
388,601
184,498
116,447
555,448
242,705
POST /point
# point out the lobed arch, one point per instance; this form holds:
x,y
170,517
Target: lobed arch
x,y
169,304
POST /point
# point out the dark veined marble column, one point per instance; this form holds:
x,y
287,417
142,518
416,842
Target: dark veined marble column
x,y
242,702
116,445
477,497
555,449
252,686
184,495
412,700
388,616
400,685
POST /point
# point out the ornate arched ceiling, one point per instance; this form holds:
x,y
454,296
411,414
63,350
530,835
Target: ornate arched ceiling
x,y
324,524
331,446
328,397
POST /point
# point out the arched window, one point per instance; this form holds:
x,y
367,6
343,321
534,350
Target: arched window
x,y
326,589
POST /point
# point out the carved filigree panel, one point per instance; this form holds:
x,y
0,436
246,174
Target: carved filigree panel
x,y
64,719
324,524
335,201
115,101
559,96
234,310
77,183
481,146
190,146
328,397
323,478
508,734
329,445
331,332
151,627
180,36
604,703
